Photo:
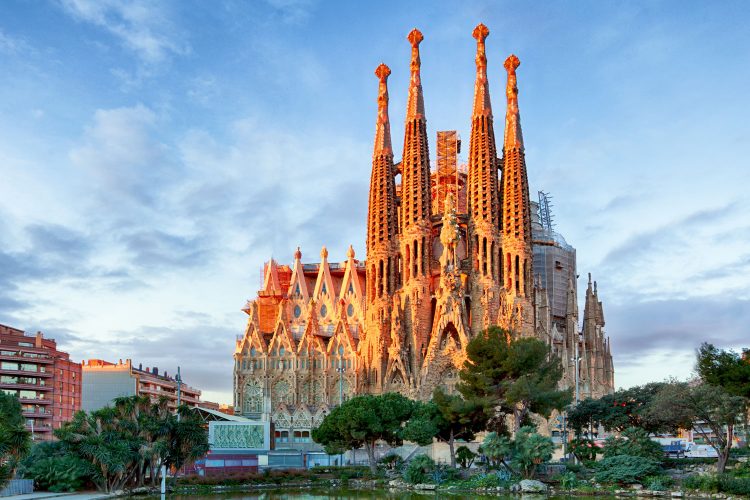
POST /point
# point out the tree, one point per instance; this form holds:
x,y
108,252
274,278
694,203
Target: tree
x,y
622,410
15,440
129,442
363,421
526,451
727,369
634,442
447,417
465,457
703,406
518,376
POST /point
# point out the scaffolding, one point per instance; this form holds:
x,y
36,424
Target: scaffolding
x,y
449,177
545,213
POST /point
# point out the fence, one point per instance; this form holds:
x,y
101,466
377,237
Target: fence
x,y
18,487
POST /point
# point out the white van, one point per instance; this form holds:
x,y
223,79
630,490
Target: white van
x,y
701,451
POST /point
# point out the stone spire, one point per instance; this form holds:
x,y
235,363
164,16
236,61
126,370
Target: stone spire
x,y
381,214
383,124
382,249
415,164
483,195
482,104
415,222
484,206
515,222
513,135
415,103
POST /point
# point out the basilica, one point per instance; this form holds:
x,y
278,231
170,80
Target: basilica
x,y
451,250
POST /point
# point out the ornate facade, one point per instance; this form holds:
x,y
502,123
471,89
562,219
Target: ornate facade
x,y
449,253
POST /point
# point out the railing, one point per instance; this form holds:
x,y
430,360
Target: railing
x,y
18,487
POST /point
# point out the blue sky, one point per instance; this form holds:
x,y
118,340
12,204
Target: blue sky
x,y
154,154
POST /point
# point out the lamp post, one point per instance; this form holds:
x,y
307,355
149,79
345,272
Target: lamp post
x,y
178,379
577,361
340,369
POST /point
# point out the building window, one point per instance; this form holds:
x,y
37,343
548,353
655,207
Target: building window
x,y
282,437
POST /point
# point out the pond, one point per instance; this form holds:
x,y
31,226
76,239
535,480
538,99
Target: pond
x,y
344,493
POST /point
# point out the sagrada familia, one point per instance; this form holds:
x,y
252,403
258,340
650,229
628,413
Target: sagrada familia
x,y
449,253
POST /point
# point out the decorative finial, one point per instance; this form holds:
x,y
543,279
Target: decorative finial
x,y
350,252
480,32
482,106
382,72
297,254
511,63
415,37
324,253
383,126
415,102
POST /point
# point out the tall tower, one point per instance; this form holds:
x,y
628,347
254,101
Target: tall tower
x,y
484,206
515,224
382,246
416,226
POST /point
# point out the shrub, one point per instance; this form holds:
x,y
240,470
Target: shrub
x,y
568,480
418,469
625,469
635,443
718,483
392,462
657,483
583,449
465,457
734,485
54,468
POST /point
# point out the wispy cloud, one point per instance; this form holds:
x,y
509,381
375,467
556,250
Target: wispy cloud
x,y
142,26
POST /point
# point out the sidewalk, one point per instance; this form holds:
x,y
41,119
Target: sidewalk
x,y
93,495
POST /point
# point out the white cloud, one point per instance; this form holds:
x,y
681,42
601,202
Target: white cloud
x,y
141,26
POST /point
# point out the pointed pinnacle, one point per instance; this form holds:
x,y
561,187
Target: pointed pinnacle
x,y
415,102
383,125
482,106
513,134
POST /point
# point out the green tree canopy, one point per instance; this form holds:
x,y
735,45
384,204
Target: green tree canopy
x,y
15,440
130,441
624,409
703,406
517,376
363,421
447,417
727,369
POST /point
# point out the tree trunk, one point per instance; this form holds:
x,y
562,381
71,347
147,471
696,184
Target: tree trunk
x,y
451,446
724,451
370,447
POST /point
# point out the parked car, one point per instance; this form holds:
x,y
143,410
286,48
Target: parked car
x,y
673,449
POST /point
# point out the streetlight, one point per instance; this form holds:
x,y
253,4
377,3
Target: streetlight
x,y
178,379
577,361
340,371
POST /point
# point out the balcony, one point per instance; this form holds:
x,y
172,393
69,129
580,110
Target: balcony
x,y
35,401
33,387
25,356
27,373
